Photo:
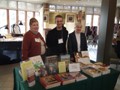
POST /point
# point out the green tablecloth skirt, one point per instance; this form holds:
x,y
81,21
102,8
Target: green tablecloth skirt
x,y
104,82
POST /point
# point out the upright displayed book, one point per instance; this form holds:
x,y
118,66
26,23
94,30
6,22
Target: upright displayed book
x,y
84,58
78,76
85,54
38,65
24,65
65,58
65,78
92,71
74,67
49,82
62,67
37,62
77,56
51,63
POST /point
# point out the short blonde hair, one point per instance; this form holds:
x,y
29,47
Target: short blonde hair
x,y
32,20
78,24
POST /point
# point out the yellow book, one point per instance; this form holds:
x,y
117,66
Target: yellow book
x,y
24,65
62,67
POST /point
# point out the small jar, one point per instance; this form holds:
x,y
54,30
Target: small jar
x,y
30,76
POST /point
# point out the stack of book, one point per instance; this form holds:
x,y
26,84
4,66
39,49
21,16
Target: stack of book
x,y
49,82
92,71
78,76
104,69
65,78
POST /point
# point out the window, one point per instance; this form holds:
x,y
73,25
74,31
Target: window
x,y
21,17
21,5
52,8
12,16
3,21
59,7
88,20
37,16
30,6
29,16
13,4
95,20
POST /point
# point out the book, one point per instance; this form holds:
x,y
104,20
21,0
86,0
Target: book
x,y
102,68
82,65
102,64
49,82
91,71
65,78
37,62
51,63
61,67
77,55
24,65
65,58
41,72
74,67
85,54
78,76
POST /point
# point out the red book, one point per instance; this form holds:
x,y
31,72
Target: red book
x,y
65,78
49,81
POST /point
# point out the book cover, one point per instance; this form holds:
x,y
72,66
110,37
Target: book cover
x,y
37,62
102,68
49,81
77,55
91,71
74,67
51,63
42,72
65,78
24,65
78,76
85,54
65,58
62,67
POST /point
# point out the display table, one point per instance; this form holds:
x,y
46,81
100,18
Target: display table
x,y
10,49
104,82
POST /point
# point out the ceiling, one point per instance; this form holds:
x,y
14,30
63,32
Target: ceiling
x,y
96,3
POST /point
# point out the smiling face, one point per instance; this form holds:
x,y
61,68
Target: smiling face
x,y
59,22
78,27
34,25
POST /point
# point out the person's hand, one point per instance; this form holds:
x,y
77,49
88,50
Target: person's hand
x,y
72,59
114,41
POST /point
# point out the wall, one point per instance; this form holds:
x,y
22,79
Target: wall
x,y
69,23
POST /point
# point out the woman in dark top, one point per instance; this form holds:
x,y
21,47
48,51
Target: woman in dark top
x,y
76,41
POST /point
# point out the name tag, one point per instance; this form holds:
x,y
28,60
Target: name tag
x,y
37,39
60,41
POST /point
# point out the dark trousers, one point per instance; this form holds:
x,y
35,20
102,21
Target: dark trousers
x,y
117,49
